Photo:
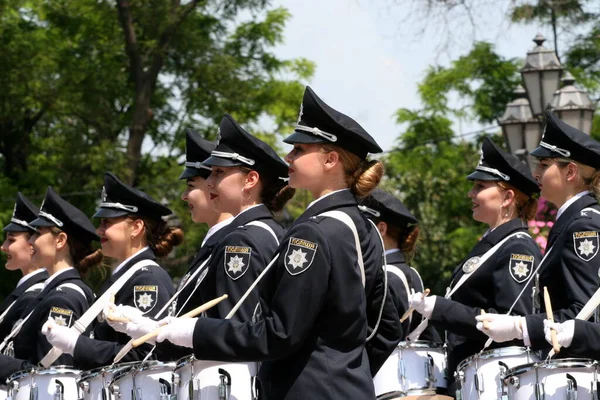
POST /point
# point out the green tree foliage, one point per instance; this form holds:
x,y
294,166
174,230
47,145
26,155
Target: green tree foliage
x,y
90,86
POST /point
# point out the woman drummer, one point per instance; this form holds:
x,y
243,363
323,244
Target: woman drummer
x,y
18,257
568,175
400,232
311,337
498,268
63,245
133,233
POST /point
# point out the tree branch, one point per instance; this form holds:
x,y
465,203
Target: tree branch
x,y
131,43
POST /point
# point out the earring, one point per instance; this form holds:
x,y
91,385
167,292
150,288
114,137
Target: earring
x,y
245,198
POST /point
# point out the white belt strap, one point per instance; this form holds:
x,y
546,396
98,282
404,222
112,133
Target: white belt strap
x,y
345,218
265,227
86,319
35,287
398,272
414,335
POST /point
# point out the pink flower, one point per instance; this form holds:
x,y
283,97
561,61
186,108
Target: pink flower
x,y
531,223
549,224
541,241
535,230
541,224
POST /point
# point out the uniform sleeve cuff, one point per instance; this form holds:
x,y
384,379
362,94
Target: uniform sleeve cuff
x,y
525,332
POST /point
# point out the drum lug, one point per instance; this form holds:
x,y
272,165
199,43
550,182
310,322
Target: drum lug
x,y
429,364
459,378
166,390
115,390
106,394
503,387
59,393
571,388
225,385
254,383
33,393
193,388
540,394
478,378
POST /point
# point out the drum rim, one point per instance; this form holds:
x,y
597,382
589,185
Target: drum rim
x,y
92,373
552,364
55,370
493,353
184,361
419,344
146,366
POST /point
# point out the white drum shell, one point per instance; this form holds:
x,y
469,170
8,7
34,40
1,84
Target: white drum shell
x,y
143,378
3,392
21,383
483,371
406,370
93,382
204,375
552,377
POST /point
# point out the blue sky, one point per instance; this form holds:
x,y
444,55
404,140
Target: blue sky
x,y
370,55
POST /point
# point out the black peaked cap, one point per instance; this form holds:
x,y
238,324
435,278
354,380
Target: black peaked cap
x,y
319,123
563,140
57,212
119,199
23,214
197,149
388,208
497,165
236,147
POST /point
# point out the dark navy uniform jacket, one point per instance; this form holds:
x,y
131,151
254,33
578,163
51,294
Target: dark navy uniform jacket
x,y
167,351
586,341
19,300
312,335
493,287
398,290
236,261
570,271
65,298
148,290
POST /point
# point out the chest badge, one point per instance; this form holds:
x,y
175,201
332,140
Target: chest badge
x,y
586,244
471,265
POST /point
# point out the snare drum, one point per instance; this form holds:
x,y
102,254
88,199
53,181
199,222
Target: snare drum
x,y
151,380
480,376
95,384
569,378
414,368
215,380
56,383
3,392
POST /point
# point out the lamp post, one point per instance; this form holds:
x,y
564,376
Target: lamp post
x,y
541,76
521,129
573,106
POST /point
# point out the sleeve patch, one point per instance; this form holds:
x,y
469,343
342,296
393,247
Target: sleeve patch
x,y
237,261
61,316
145,297
300,255
521,267
586,244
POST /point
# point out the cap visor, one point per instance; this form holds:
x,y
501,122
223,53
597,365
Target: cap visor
x,y
542,152
482,176
301,137
110,213
213,161
12,227
192,172
41,221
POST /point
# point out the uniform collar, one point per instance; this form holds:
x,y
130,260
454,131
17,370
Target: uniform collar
x,y
61,276
35,275
324,197
127,260
567,216
395,256
569,202
215,228
333,200
503,230
259,211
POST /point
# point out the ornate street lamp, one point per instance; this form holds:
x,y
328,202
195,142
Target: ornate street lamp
x,y
541,76
521,129
573,106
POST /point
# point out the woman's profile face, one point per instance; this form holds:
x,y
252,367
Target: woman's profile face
x,y
225,185
18,251
486,202
305,166
43,244
115,236
197,196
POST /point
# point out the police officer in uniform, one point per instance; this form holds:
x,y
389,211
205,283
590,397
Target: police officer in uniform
x,y
567,173
400,233
63,245
132,230
311,337
498,268
18,251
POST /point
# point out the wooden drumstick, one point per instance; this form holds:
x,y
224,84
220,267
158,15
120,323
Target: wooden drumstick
x,y
555,346
113,318
486,323
196,311
410,310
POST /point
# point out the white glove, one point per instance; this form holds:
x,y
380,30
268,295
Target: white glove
x,y
422,305
179,331
502,327
564,332
137,326
60,336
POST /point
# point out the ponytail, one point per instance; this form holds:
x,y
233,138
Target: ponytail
x,y
160,237
275,192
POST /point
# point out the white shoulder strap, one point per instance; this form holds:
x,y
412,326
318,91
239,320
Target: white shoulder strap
x,y
398,272
73,287
345,218
86,319
590,209
15,330
265,227
35,287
